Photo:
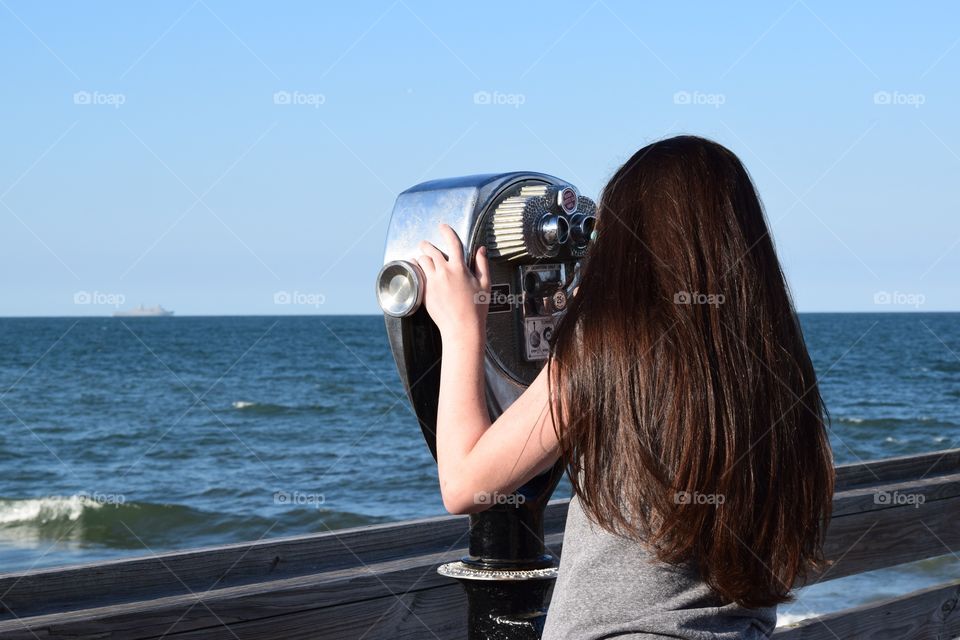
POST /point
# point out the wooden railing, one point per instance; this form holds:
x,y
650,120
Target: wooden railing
x,y
381,582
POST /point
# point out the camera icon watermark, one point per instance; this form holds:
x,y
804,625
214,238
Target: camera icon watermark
x,y
98,98
899,298
299,499
695,497
299,98
495,498
98,498
499,298
897,499
899,98
299,298
499,98
99,298
695,297
699,98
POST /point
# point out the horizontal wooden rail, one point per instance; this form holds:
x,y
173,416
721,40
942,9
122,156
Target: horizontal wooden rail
x,y
928,613
381,582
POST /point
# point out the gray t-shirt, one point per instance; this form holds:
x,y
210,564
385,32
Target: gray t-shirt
x,y
609,587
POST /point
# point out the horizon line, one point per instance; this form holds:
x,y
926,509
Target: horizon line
x,y
319,315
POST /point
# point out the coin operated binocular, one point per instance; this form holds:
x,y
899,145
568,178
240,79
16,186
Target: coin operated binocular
x,y
536,229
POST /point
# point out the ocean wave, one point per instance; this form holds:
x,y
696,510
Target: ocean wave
x,y
950,366
89,508
44,510
108,520
925,421
269,408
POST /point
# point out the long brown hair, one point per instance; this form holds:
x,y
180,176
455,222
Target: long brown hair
x,y
688,410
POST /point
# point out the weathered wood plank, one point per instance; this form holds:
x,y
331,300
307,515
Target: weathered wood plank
x,y
202,569
916,492
900,468
439,613
921,615
184,572
430,614
334,589
860,542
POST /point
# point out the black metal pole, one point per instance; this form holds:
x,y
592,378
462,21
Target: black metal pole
x,y
503,604
508,576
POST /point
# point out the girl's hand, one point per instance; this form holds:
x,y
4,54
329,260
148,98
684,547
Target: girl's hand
x,y
456,297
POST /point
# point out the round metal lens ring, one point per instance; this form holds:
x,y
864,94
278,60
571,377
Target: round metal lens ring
x,y
405,305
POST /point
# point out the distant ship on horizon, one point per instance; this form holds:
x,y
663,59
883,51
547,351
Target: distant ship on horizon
x,y
143,312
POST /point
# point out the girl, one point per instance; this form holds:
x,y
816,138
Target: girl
x,y
679,395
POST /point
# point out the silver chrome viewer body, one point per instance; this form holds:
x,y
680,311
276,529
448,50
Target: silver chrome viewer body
x,y
536,230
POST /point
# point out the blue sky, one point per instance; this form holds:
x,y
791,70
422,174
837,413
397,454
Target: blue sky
x,y
146,158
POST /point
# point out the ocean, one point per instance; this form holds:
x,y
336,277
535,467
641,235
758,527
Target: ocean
x,y
129,436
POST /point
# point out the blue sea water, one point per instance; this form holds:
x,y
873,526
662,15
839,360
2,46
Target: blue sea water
x,y
127,436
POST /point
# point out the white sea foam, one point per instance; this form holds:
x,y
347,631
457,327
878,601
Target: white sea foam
x,y
41,510
241,404
784,619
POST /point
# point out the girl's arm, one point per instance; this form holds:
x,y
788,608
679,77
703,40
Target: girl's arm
x,y
478,460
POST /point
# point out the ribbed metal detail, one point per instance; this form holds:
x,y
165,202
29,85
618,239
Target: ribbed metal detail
x,y
505,228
